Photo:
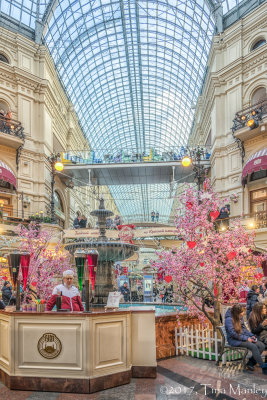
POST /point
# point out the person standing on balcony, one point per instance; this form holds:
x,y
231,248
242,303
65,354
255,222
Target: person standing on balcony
x,y
83,221
157,216
153,216
76,222
2,119
224,215
8,118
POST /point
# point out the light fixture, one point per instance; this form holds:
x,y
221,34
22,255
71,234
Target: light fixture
x,y
223,228
186,161
251,225
3,259
243,117
59,166
252,123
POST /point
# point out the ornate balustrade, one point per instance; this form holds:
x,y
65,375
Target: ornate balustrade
x,y
11,127
249,114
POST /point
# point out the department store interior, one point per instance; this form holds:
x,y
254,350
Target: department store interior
x,y
111,113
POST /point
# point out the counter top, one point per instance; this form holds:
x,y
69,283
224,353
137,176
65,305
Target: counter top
x,y
74,313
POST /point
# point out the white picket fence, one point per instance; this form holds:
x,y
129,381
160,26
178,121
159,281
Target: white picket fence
x,y
199,342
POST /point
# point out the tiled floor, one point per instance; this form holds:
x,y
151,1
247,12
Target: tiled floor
x,y
178,379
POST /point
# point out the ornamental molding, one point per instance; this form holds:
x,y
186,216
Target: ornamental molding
x,y
254,62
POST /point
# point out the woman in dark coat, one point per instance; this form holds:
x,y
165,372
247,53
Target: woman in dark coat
x,y
252,298
258,323
239,336
7,294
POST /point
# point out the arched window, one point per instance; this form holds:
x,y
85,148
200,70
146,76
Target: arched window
x,y
259,95
258,44
3,58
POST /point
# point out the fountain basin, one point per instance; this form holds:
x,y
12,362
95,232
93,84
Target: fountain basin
x,y
108,250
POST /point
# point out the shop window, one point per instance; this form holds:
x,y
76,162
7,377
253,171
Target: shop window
x,y
258,201
258,175
258,44
3,58
259,95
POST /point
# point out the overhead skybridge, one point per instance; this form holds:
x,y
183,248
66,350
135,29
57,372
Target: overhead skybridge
x,y
143,170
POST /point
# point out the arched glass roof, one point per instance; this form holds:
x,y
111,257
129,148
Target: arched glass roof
x,y
133,70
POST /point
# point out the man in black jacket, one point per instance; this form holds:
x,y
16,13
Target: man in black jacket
x,y
7,296
252,298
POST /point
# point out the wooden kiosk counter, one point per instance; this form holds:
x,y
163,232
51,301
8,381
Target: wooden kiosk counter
x,y
76,352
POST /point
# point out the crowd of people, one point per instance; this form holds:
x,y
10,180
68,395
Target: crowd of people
x,y
80,222
254,335
155,216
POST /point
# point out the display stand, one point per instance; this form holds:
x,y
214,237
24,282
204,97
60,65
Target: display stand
x,y
113,301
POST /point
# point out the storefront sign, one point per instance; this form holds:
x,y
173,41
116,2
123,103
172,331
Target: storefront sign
x,y
49,346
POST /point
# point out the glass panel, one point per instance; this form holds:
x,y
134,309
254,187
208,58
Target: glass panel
x,y
132,69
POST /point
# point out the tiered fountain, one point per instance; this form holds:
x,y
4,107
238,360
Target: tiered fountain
x,y
109,252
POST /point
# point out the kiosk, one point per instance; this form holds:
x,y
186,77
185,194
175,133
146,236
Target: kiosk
x,y
76,352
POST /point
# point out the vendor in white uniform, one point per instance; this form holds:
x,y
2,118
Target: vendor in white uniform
x,y
71,299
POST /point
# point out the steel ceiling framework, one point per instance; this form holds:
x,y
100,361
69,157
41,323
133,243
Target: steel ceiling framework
x,y
133,69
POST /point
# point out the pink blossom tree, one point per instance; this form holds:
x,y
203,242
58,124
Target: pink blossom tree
x,y
208,266
45,263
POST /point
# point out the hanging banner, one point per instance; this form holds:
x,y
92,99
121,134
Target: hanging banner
x,y
114,234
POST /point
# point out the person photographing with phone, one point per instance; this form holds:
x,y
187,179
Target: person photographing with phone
x,y
238,335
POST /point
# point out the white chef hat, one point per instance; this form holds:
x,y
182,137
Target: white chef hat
x,y
68,272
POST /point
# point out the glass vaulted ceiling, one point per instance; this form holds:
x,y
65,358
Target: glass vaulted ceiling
x,y
133,69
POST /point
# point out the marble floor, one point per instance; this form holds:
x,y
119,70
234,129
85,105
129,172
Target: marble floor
x,y
178,378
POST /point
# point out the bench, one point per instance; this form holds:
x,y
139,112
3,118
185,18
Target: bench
x,y
226,347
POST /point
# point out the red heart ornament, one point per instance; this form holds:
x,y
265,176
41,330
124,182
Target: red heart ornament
x,y
231,255
189,205
191,244
214,214
168,278
5,278
202,264
34,283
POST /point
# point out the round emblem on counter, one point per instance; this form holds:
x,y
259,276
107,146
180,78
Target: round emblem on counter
x,y
49,345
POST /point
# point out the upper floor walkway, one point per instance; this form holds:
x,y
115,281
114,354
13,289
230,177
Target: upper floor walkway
x,y
100,167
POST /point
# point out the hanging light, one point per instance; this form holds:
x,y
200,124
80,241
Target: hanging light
x,y
59,166
186,161
80,257
24,265
14,264
243,118
252,123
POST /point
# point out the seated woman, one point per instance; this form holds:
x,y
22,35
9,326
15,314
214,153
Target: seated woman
x,y
239,336
257,322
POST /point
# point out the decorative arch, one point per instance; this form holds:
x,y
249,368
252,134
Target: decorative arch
x,y
6,101
3,58
260,41
258,95
251,88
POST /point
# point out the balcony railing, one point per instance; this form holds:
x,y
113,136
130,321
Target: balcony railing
x,y
100,156
250,221
255,112
11,127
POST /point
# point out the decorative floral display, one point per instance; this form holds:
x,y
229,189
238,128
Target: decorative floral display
x,y
208,267
45,263
234,197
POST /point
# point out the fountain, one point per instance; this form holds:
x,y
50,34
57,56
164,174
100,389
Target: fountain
x,y
109,252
